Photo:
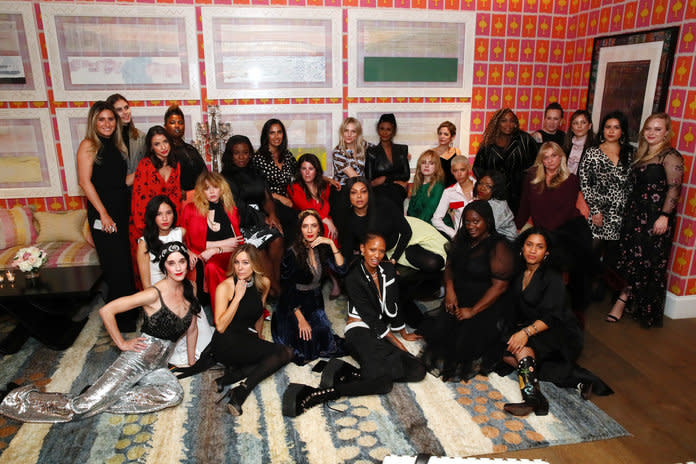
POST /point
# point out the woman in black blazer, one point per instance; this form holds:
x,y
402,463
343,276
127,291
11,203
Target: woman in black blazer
x,y
373,317
386,165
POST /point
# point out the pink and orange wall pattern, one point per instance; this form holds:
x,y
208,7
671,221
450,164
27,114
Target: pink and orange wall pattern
x,y
527,53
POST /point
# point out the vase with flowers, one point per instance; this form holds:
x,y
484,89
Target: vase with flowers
x,y
29,260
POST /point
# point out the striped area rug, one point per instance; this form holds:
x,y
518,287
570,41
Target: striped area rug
x,y
441,419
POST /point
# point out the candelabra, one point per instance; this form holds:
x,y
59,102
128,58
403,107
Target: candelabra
x,y
212,136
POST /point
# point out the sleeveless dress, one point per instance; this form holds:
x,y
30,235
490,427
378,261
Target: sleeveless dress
x,y
205,331
239,345
136,383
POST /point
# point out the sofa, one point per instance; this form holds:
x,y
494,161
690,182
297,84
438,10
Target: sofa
x,y
64,235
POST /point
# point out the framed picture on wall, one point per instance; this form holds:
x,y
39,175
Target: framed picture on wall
x,y
272,52
21,72
410,53
631,73
143,52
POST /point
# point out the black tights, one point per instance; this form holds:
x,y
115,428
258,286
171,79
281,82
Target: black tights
x,y
425,260
414,371
266,367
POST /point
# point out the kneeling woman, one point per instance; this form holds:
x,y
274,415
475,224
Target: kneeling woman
x,y
138,382
237,343
373,316
547,339
299,320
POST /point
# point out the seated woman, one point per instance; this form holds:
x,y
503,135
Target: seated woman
x,y
192,163
446,132
212,225
490,188
373,317
238,343
311,191
160,217
157,174
277,166
299,320
365,213
427,186
138,382
465,338
455,198
259,224
549,198
545,340
387,166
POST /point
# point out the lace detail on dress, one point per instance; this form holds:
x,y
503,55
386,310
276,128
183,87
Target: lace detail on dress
x,y
165,324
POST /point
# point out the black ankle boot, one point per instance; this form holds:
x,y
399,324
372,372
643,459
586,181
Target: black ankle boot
x,y
337,372
533,400
298,398
236,396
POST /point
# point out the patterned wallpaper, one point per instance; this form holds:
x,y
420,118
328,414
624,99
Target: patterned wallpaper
x,y
527,53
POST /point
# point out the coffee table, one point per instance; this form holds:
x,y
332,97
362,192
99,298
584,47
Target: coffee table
x,y
48,308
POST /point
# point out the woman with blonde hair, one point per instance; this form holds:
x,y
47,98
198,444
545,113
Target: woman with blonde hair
x,y
101,172
427,186
211,221
446,132
549,198
348,157
238,342
648,229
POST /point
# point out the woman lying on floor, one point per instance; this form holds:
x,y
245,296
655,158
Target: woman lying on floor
x,y
138,382
373,315
547,339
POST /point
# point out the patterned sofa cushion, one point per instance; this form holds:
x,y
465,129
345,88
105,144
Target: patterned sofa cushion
x,y
17,227
60,254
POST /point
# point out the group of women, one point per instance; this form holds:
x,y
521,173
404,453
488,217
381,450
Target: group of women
x,y
273,226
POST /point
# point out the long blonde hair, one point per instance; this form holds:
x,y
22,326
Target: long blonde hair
x,y
540,178
359,152
215,180
643,153
438,175
261,282
91,132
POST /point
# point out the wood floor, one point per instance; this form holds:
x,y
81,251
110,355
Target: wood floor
x,y
653,374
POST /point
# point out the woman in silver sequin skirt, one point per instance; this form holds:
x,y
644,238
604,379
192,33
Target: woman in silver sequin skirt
x,y
138,381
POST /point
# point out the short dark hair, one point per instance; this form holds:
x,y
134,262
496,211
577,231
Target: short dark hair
x,y
554,106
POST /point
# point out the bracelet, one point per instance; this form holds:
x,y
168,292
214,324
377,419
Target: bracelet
x,y
662,213
526,332
535,329
219,250
337,252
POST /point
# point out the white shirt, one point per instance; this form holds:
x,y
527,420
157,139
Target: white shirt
x,y
452,198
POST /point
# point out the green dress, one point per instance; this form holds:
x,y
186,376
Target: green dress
x,y
423,205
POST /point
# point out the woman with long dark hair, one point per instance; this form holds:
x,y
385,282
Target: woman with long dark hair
x,y
101,172
464,339
278,167
160,229
299,320
373,318
138,381
157,174
259,223
579,138
648,231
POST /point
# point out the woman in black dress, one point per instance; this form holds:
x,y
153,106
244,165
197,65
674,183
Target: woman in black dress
x,y
373,317
277,166
192,163
508,149
299,320
387,166
648,230
259,223
464,339
545,339
101,172
238,343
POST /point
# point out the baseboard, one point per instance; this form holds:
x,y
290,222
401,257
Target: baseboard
x,y
680,307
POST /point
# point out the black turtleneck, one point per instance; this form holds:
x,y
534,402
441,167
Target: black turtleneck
x,y
221,218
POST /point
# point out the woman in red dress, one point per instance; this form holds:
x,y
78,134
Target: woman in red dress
x,y
212,228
